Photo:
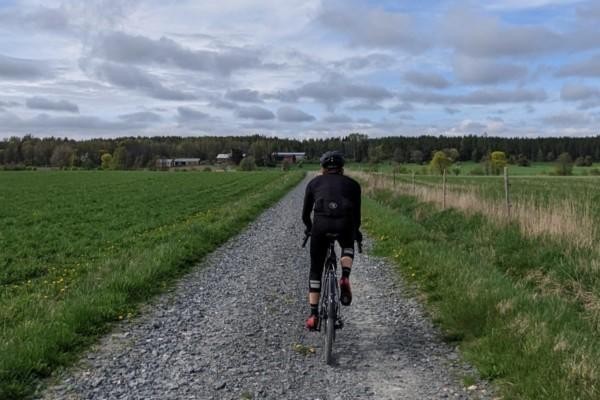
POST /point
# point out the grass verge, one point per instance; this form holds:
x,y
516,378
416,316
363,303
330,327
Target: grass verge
x,y
523,310
40,332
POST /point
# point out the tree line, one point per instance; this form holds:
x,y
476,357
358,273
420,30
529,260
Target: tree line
x,y
142,152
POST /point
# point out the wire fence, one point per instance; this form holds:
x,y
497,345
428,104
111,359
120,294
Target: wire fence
x,y
562,207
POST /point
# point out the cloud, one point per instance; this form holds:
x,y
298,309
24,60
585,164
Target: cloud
x,y
125,48
227,105
567,119
41,103
426,79
44,123
244,95
333,90
586,68
9,104
577,92
451,110
402,107
485,72
589,10
365,106
587,96
374,27
23,69
375,60
338,119
291,114
187,114
38,18
254,112
141,117
133,78
478,97
480,35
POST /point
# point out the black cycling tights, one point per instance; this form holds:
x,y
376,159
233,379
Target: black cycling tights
x,y
319,243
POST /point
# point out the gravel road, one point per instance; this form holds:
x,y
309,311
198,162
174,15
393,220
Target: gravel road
x,y
234,329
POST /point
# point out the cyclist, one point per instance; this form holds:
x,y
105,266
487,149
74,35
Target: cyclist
x,y
334,200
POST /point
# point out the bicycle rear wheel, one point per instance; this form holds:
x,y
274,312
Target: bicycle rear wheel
x,y
331,317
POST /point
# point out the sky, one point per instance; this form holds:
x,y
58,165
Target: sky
x,y
299,68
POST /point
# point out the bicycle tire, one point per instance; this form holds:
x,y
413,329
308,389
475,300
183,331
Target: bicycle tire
x,y
331,317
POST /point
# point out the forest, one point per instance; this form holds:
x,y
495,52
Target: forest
x,y
142,152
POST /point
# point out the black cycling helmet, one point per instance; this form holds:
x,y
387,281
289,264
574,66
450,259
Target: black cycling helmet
x,y
332,159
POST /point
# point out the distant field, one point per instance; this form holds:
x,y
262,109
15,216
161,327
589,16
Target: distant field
x,y
79,250
536,168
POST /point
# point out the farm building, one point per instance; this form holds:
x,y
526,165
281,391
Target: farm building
x,y
289,156
223,158
176,162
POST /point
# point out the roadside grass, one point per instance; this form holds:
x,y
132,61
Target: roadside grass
x,y
80,250
523,310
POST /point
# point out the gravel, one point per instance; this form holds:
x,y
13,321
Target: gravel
x,y
234,329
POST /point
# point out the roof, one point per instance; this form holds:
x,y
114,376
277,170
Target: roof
x,y
223,156
284,153
186,159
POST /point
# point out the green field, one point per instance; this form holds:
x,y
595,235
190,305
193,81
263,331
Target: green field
x,y
525,309
79,250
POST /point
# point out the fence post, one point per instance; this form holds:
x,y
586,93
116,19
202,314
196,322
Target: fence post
x,y
394,174
506,191
414,189
444,189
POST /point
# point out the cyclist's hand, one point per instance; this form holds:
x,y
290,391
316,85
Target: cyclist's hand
x,y
307,231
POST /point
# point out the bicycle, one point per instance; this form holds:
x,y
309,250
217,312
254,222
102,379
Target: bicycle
x,y
329,303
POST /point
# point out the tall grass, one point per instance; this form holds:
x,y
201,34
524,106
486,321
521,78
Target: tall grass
x,y
568,219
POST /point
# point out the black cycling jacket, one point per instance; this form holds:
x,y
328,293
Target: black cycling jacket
x,y
332,196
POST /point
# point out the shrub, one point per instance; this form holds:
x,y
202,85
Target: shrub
x,y
106,160
595,171
247,164
564,164
497,162
207,169
523,161
440,162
